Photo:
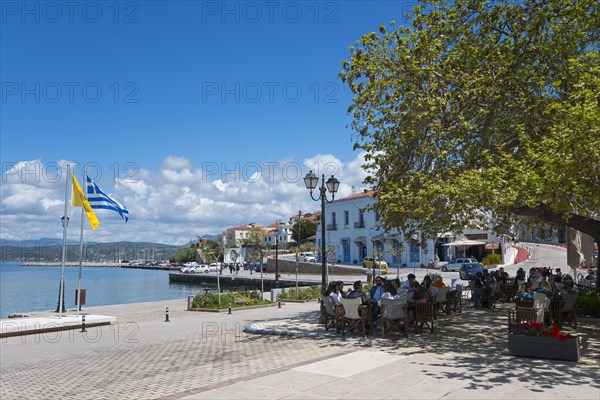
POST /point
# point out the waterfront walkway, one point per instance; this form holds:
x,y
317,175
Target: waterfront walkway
x,y
208,355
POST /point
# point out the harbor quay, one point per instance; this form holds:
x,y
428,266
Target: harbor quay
x,y
283,352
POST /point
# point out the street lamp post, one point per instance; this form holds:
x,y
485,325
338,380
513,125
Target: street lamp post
x,y
311,180
276,260
299,243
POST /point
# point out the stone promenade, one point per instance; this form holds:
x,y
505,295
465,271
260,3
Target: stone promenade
x,y
208,355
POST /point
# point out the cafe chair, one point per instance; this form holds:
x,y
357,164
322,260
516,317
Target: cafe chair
x,y
331,319
393,315
353,319
568,311
424,315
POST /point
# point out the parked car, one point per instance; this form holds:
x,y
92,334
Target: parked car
x,y
201,269
456,264
259,266
213,267
469,270
369,262
306,257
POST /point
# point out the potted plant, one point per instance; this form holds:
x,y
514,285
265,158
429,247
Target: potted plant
x,y
536,340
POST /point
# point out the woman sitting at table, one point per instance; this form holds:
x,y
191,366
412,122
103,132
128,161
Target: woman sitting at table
x,y
389,292
545,285
438,282
333,292
427,284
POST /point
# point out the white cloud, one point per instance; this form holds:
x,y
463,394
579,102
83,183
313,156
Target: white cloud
x,y
177,202
174,163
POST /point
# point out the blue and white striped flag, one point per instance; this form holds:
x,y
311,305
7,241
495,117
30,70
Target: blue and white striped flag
x,y
98,199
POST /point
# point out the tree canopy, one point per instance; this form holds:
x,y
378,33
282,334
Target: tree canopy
x,y
481,106
303,229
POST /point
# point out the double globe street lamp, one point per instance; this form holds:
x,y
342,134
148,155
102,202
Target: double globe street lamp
x,y
332,185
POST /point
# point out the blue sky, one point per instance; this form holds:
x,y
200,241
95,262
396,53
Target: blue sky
x,y
156,96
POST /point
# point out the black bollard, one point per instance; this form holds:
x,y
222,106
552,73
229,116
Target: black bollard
x,y
167,315
229,308
279,304
83,324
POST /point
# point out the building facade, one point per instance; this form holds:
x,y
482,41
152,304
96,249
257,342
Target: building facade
x,y
353,230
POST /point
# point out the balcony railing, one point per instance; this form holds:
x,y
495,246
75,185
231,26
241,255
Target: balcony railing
x,y
359,224
332,227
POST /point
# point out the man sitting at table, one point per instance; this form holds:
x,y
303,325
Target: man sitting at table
x,y
408,282
374,295
357,292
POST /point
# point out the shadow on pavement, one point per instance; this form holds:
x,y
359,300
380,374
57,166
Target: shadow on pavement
x,y
469,345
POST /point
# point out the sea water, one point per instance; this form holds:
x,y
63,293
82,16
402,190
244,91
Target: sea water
x,y
27,289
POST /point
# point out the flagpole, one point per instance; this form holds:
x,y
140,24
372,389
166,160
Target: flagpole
x,y
65,219
80,251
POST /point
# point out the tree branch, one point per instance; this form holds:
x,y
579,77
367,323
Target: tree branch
x,y
583,224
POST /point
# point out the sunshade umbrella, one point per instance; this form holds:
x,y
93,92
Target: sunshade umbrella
x,y
464,244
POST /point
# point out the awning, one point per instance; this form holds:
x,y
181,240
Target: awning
x,y
360,239
464,243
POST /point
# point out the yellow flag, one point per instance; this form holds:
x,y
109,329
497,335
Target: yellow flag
x,y
79,200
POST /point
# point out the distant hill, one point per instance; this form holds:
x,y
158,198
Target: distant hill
x,y
50,249
35,242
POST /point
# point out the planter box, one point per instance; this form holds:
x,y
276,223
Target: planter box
x,y
543,347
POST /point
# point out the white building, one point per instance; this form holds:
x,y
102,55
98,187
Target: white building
x,y
355,233
277,233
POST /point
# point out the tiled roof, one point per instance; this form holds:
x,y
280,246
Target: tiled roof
x,y
241,228
361,194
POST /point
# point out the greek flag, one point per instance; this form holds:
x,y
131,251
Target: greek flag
x,y
98,199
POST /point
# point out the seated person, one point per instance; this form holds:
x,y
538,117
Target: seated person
x,y
396,283
408,282
545,285
427,284
374,295
438,282
389,292
535,274
420,295
591,277
568,282
357,292
476,285
488,279
332,293
557,276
